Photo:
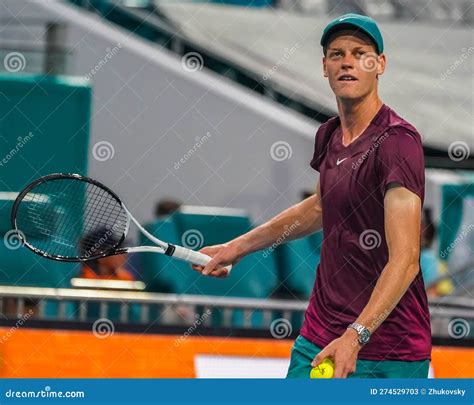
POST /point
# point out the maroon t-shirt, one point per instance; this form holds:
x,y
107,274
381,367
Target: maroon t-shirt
x,y
353,181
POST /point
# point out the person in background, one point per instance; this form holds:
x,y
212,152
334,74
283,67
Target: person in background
x,y
106,268
429,263
166,207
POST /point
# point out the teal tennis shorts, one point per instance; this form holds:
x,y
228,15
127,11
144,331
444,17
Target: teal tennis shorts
x,y
303,353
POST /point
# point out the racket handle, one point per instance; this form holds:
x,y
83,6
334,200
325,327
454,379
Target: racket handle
x,y
194,257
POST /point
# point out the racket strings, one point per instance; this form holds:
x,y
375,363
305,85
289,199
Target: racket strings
x,y
71,218
106,222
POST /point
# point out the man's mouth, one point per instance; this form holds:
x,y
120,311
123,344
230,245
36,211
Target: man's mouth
x,y
346,78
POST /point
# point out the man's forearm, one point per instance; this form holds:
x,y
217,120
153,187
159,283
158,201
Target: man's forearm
x,y
295,222
389,289
402,230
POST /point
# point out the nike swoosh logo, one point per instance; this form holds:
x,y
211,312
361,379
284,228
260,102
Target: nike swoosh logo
x,y
338,162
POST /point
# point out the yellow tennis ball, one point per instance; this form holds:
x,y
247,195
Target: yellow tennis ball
x,y
323,370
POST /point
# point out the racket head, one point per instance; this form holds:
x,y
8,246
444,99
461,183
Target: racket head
x,y
69,217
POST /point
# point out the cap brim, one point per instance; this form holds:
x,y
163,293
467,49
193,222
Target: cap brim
x,y
344,26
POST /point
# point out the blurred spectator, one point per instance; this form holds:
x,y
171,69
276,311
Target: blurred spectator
x,y
106,268
166,207
429,263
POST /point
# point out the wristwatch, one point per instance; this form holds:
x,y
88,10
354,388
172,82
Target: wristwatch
x,y
362,331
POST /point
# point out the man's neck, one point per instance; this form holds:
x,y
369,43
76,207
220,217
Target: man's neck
x,y
356,116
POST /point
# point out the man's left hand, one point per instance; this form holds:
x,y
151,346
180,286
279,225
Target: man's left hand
x,y
343,351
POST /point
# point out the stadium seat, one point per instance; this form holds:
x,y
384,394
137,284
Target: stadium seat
x,y
21,267
161,273
254,277
54,138
297,261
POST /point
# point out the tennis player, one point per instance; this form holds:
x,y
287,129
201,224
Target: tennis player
x,y
368,311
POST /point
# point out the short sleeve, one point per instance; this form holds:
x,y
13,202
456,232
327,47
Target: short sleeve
x,y
321,144
400,160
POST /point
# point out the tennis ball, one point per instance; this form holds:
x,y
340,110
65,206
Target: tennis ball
x,y
323,370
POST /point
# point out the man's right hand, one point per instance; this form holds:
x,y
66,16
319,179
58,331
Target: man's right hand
x,y
222,255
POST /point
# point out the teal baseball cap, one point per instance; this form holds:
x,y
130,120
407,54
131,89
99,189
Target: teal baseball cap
x,y
358,22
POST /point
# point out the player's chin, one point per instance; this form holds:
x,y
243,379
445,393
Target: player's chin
x,y
348,94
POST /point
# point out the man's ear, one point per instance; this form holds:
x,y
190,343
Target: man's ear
x,y
381,65
325,71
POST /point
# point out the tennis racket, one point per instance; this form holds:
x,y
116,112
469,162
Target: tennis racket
x,y
72,218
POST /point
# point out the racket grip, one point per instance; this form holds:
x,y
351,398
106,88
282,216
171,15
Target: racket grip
x,y
194,257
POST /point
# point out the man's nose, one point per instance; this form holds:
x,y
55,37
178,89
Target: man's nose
x,y
348,61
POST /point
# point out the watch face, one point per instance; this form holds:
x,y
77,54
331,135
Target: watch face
x,y
364,336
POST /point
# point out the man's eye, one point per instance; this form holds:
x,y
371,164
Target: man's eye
x,y
337,53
